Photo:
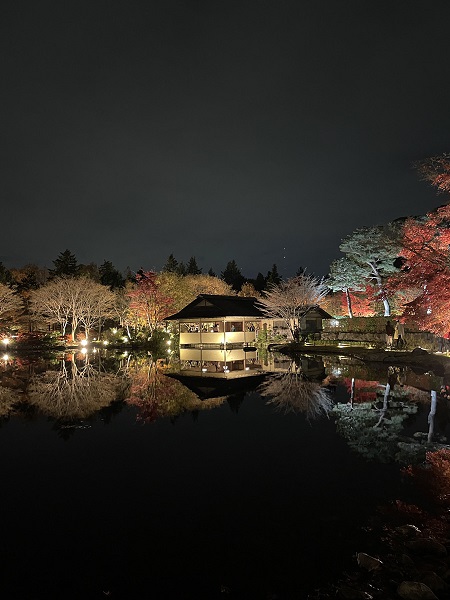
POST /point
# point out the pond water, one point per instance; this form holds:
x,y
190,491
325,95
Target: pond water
x,y
120,480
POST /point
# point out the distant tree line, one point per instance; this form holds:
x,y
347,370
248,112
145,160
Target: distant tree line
x,y
401,267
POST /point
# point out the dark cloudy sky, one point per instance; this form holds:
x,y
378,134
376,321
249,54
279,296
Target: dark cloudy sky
x,y
221,129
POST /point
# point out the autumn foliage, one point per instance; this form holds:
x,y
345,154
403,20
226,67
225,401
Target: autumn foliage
x,y
148,305
433,478
426,269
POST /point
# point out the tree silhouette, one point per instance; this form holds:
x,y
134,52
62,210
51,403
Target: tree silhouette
x,y
233,276
192,267
273,277
65,264
110,276
171,265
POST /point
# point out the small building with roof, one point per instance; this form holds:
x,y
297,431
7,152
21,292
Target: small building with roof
x,y
218,334
215,320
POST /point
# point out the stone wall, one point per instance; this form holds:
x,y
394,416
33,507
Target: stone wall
x,y
414,339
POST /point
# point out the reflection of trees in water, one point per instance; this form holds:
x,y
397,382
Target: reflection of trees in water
x,y
291,392
157,395
15,374
77,391
374,430
8,399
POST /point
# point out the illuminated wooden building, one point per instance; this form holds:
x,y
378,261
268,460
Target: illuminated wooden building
x,y
218,321
218,336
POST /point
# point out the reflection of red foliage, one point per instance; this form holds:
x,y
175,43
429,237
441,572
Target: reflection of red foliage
x,y
433,479
152,392
401,513
365,391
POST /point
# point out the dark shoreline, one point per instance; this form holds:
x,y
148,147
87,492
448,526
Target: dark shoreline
x,y
416,358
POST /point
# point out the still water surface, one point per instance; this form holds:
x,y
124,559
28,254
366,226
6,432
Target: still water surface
x,y
238,496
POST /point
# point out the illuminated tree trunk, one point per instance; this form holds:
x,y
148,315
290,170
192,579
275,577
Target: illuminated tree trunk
x,y
349,303
378,279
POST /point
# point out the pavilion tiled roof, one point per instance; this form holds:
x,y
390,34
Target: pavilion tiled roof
x,y
211,306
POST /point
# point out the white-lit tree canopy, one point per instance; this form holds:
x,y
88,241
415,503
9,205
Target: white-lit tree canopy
x,y
289,299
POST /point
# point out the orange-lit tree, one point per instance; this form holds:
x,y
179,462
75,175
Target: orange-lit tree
x,y
10,304
148,305
436,170
426,269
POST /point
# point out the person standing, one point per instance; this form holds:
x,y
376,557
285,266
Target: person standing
x,y
400,329
389,334
396,334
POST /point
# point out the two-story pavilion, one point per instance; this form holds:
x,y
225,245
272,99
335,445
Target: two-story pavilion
x,y
214,320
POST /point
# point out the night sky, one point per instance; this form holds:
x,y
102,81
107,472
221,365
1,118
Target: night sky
x,y
219,129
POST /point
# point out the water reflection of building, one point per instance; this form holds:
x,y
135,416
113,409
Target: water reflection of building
x,y
218,336
312,367
225,363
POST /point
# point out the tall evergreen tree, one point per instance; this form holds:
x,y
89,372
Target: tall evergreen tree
x,y
65,264
89,270
110,276
171,265
211,272
373,250
181,270
260,282
5,275
273,277
192,267
233,276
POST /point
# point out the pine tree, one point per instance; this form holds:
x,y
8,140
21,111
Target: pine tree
x,y
5,275
171,265
273,277
232,275
181,270
260,282
192,267
110,276
65,264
